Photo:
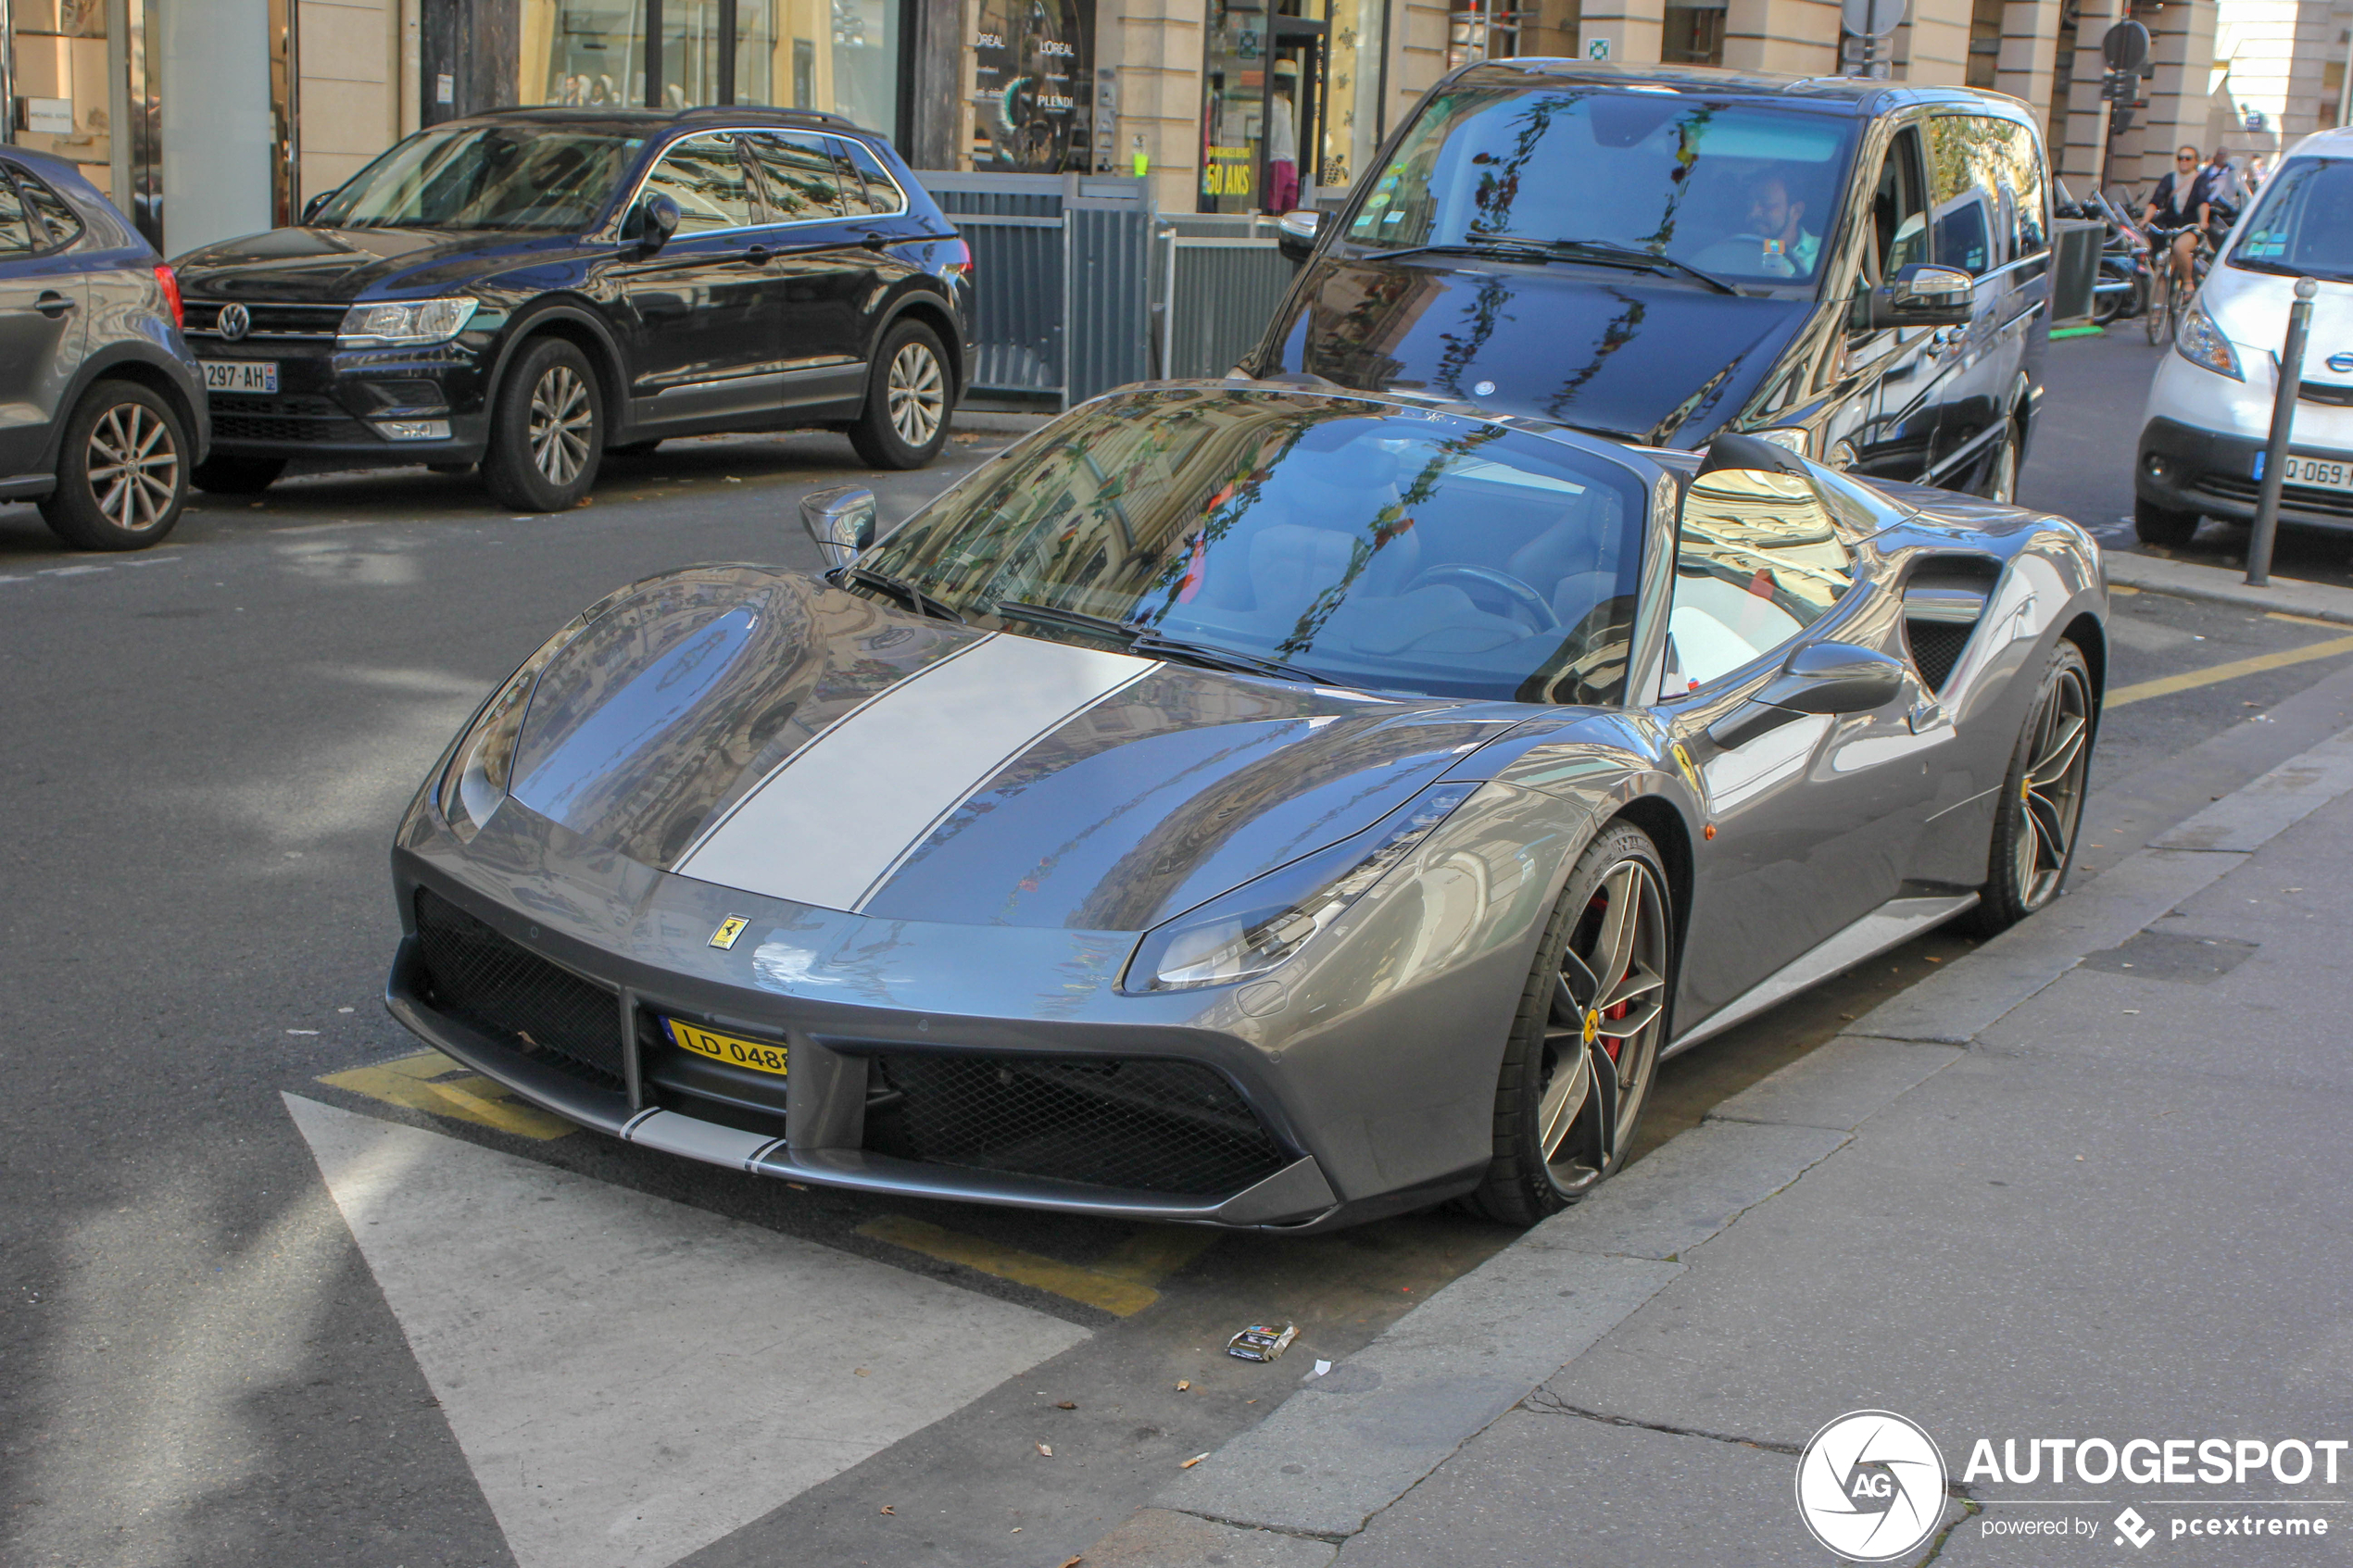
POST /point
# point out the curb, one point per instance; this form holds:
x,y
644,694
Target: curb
x,y
1343,1448
2186,580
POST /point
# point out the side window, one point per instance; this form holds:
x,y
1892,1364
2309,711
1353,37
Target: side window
x,y
883,196
798,174
703,175
1756,561
63,223
1899,213
1968,162
16,232
2029,193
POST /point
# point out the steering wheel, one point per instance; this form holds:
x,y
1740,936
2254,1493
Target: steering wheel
x,y
1538,608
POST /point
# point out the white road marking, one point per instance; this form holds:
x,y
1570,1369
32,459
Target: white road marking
x,y
835,820
630,1378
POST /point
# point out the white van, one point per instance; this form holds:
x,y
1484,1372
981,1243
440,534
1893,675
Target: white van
x,y
2209,409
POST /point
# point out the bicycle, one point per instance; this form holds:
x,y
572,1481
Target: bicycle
x,y
2165,302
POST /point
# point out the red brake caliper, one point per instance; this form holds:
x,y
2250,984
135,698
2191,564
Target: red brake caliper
x,y
1610,1043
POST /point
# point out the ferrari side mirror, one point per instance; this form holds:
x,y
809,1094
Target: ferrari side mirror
x,y
841,520
1835,678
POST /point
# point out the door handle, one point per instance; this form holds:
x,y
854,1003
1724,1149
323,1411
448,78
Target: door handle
x,y
52,303
875,241
756,257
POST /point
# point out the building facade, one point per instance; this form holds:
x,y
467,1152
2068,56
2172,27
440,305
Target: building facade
x,y
205,118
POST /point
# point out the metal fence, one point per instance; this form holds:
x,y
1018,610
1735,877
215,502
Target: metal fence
x,y
1079,286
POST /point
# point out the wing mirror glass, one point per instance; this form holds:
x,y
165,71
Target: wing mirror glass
x,y
1925,295
841,520
1295,233
311,208
655,220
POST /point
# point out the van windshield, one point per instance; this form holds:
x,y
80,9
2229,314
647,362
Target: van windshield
x,y
485,177
1745,194
2304,225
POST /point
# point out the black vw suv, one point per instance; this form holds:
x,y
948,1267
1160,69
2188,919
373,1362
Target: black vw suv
x,y
530,289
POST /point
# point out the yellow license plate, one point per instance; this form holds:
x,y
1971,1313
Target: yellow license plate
x,y
758,1055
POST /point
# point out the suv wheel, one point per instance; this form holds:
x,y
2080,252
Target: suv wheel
x,y
123,471
238,476
906,420
546,429
2161,525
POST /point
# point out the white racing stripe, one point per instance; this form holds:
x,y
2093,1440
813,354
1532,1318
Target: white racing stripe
x,y
830,826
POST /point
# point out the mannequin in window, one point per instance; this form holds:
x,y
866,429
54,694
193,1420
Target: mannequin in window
x,y
1282,140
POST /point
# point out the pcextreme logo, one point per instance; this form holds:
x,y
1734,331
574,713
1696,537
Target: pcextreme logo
x,y
1870,1486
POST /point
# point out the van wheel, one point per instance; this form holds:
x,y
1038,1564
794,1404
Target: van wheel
x,y
2153,524
122,473
906,420
237,476
546,429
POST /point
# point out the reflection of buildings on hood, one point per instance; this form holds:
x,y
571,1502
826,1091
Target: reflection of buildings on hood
x,y
1361,316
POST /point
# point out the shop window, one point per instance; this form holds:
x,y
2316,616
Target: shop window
x,y
1691,36
1985,42
60,79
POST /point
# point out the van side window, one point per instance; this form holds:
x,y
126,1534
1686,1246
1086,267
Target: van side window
x,y
1899,215
1973,188
1756,561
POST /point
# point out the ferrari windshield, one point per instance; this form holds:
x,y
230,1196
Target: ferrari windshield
x,y
1744,194
1347,541
486,177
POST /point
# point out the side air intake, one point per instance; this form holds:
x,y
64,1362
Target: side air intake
x,y
1944,600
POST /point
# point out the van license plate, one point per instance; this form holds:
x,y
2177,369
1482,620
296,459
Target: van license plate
x,y
241,375
2320,473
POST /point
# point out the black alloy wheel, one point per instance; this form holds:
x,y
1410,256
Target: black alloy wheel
x,y
238,476
546,429
1585,1047
2040,813
908,398
123,471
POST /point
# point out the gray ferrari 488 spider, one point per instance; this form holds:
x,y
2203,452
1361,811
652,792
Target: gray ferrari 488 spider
x,y
1249,805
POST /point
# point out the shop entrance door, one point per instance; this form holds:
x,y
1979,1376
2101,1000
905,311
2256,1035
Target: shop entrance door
x,y
1294,115
1263,92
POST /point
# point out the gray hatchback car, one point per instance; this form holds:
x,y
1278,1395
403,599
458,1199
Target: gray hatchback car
x,y
102,406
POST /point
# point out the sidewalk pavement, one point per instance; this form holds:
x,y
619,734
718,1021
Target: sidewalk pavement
x,y
2093,1180
2162,575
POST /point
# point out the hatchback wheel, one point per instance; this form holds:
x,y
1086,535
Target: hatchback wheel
x,y
123,471
1585,1045
907,400
546,429
2042,801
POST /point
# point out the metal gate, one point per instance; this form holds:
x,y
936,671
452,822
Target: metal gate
x,y
1220,279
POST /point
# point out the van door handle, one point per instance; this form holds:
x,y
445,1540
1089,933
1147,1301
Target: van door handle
x,y
757,256
52,303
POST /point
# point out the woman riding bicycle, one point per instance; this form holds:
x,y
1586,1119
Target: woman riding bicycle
x,y
2181,206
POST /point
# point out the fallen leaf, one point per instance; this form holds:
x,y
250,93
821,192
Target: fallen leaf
x,y
862,1371
1072,1562
1065,1404
1045,1450
888,1508
1182,1386
1192,1461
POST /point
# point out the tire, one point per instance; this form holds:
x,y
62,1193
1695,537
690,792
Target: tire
x,y
908,398
1565,1106
2153,524
2001,469
546,429
123,471
2038,820
2159,320
237,476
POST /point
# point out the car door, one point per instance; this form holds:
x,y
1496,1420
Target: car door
x,y
703,340
1888,429
824,272
1984,173
44,316
1812,819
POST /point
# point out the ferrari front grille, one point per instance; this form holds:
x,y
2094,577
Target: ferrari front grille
x,y
1119,1121
538,1008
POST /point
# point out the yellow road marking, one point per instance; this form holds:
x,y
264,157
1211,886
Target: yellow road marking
x,y
2230,672
1122,1286
2301,619
424,1082
2124,588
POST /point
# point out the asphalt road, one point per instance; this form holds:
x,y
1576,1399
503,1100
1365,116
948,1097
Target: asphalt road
x,y
205,750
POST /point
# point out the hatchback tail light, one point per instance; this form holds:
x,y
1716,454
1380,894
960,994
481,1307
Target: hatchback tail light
x,y
168,281
962,266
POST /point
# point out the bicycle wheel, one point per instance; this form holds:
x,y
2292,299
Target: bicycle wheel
x,y
2159,318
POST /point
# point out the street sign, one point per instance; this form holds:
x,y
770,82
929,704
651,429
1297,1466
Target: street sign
x,y
1597,49
1873,19
2125,46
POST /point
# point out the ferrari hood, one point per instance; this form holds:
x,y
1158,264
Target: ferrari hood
x,y
762,732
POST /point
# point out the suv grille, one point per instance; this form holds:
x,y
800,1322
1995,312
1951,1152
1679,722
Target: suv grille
x,y
269,321
283,419
1153,1126
541,1009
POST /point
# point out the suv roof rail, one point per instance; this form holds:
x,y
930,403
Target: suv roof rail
x,y
766,111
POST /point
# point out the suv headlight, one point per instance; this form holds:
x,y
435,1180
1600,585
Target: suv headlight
x,y
475,780
396,322
2200,342
1258,925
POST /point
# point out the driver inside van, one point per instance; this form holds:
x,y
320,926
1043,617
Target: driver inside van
x,y
1779,222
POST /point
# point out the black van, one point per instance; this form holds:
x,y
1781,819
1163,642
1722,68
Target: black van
x,y
1857,270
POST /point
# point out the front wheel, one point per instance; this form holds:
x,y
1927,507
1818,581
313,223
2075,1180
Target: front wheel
x,y
546,429
2001,470
906,395
2042,800
123,471
2159,320
1584,1047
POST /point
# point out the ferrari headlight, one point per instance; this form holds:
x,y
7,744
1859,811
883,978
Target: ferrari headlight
x,y
1259,925
398,323
476,778
2200,342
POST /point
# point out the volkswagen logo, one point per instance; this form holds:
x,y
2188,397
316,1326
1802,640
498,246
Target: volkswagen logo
x,y
2342,364
235,322
1870,1486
